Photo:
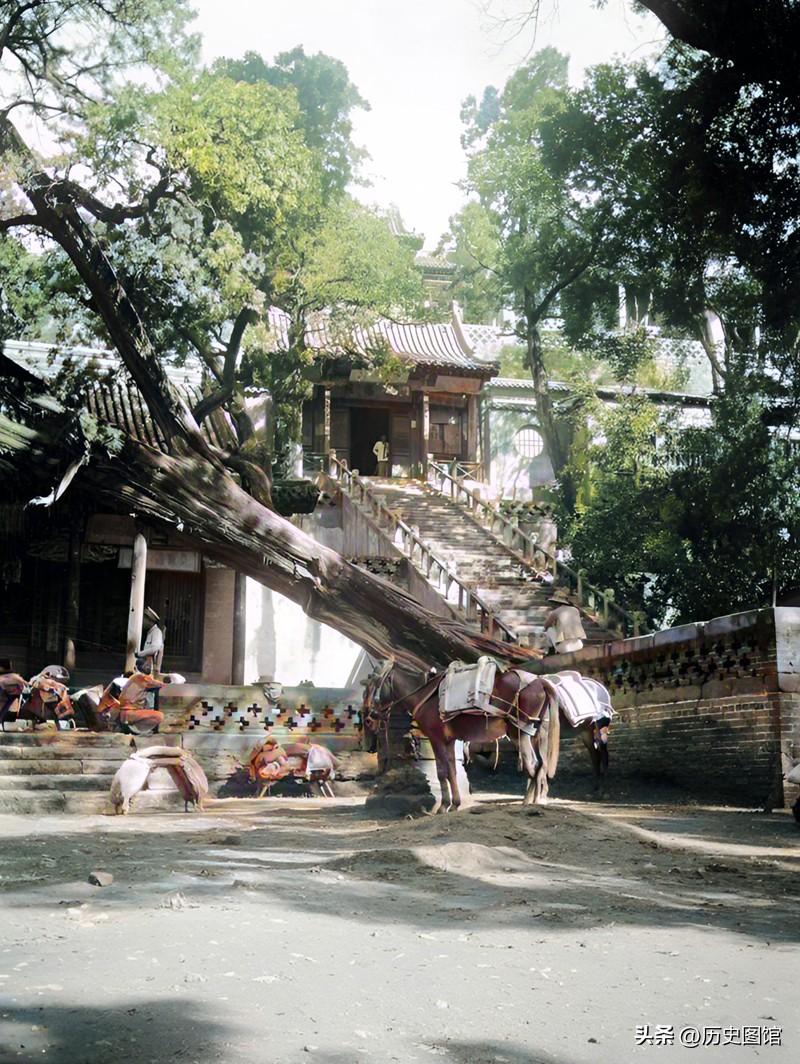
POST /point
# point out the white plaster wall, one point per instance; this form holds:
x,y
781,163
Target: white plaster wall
x,y
511,474
285,645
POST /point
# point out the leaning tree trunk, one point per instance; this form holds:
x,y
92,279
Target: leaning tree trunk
x,y
233,528
239,532
190,486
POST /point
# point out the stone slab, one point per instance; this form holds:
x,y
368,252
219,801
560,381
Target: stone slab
x,y
787,645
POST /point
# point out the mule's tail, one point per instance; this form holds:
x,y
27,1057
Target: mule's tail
x,y
554,736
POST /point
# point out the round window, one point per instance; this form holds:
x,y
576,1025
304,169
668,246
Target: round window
x,y
529,442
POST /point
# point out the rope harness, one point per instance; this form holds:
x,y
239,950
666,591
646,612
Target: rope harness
x,y
512,709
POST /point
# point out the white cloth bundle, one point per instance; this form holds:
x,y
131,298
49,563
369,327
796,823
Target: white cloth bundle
x,y
468,688
580,698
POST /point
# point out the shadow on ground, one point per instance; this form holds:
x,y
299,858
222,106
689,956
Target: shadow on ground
x,y
139,1032
565,866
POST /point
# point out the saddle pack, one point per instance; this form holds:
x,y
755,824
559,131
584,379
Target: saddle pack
x,y
468,689
579,697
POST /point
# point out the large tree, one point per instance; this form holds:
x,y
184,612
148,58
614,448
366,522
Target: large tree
x,y
171,209
547,240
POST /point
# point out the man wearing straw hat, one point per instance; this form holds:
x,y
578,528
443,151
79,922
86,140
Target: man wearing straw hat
x,y
153,647
563,625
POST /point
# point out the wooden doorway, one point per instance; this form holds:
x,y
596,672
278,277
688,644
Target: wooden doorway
x,y
367,426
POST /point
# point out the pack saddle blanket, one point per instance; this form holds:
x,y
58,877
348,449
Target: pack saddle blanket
x,y
579,697
468,688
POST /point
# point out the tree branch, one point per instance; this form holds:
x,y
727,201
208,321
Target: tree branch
x,y
121,319
209,403
18,220
682,24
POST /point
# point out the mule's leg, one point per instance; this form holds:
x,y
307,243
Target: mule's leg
x,y
587,734
603,771
536,790
452,775
440,752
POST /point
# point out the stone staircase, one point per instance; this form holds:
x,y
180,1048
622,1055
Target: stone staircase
x,y
50,771
477,557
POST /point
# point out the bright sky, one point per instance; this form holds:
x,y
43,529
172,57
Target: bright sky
x,y
415,61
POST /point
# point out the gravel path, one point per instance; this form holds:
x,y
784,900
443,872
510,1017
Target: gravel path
x,y
288,931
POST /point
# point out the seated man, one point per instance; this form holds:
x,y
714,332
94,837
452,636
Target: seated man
x,y
12,686
129,709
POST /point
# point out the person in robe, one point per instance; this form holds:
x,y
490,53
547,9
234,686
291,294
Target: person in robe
x,y
563,626
381,452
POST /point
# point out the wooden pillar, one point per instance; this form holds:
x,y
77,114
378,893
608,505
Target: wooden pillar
x,y
72,604
426,434
415,434
326,420
486,441
472,429
136,608
239,629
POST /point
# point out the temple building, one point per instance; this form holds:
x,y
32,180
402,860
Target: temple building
x,y
428,403
65,571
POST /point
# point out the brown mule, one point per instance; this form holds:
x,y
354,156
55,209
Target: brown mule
x,y
593,735
530,720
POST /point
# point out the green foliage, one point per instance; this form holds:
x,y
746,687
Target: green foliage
x,y
698,168
472,245
536,234
347,273
355,268
237,175
326,99
695,524
240,149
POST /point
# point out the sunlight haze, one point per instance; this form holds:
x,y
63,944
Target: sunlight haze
x,y
415,62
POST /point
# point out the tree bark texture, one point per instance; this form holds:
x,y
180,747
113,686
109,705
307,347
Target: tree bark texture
x,y
190,486
239,532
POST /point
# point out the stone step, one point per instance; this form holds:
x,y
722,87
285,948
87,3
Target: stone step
x,y
29,766
475,555
29,801
20,751
32,802
72,737
52,782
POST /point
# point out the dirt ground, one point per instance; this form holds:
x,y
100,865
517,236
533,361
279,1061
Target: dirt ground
x,y
301,930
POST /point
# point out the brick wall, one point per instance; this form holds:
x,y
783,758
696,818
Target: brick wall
x,y
713,707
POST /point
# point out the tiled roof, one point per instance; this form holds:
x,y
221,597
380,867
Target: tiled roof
x,y
434,345
487,341
438,263
114,399
523,385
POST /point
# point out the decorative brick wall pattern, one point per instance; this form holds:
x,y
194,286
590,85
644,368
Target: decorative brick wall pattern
x,y
221,724
705,706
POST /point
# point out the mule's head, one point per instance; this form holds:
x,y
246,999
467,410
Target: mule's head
x,y
378,690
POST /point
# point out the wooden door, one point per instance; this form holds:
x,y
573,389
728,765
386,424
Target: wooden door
x,y
340,431
400,445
